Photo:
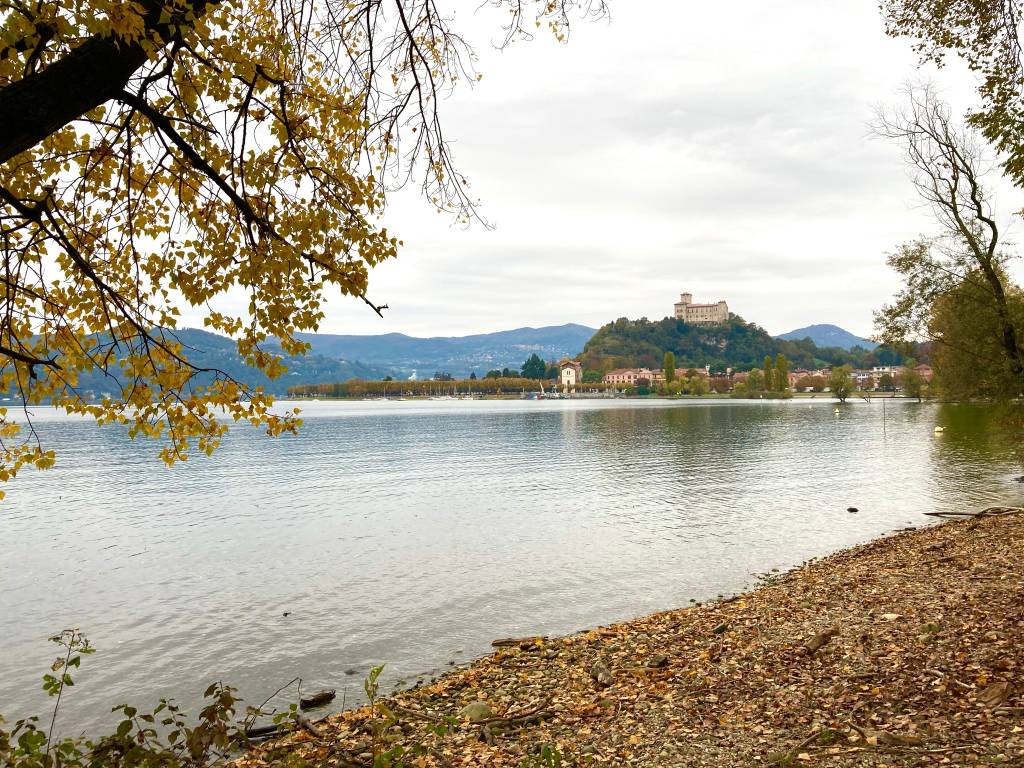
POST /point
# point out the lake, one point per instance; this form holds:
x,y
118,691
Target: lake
x,y
414,533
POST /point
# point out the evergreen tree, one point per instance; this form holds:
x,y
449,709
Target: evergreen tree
x,y
769,378
534,367
781,372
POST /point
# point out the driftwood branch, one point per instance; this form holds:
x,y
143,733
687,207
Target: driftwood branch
x,y
539,712
317,699
522,642
989,512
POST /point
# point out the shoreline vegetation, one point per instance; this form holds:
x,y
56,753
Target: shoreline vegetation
x,y
904,651
521,394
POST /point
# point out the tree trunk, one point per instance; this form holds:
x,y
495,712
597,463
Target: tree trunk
x,y
43,102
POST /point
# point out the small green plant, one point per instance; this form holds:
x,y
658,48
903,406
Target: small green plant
x,y
166,737
829,736
163,737
381,719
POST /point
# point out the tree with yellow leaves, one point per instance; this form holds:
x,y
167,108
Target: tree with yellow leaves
x,y
158,154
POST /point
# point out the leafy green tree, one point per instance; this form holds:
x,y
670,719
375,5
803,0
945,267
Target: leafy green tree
x,y
669,366
769,374
755,381
699,385
552,372
968,354
534,367
781,372
493,374
911,381
592,377
509,374
885,382
442,376
841,382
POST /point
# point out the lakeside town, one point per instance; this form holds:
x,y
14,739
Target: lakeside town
x,y
568,377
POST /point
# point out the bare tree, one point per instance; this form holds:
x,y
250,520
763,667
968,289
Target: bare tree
x,y
947,164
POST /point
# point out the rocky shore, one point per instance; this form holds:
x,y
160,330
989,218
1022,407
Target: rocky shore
x,y
907,651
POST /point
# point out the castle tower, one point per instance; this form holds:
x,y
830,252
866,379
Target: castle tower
x,y
689,312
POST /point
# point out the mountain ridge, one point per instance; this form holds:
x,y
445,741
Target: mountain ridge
x,y
458,355
827,335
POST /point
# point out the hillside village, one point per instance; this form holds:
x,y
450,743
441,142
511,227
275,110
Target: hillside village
x,y
880,378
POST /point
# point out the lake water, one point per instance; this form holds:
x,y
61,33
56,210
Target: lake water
x,y
414,533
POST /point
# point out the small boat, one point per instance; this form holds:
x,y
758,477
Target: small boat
x,y
939,429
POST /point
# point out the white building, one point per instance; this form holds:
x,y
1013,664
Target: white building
x,y
570,373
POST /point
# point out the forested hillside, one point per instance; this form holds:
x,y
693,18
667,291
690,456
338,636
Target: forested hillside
x,y
735,344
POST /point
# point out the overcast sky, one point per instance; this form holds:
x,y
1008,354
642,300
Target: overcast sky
x,y
715,148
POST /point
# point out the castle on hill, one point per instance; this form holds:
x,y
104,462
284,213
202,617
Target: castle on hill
x,y
689,312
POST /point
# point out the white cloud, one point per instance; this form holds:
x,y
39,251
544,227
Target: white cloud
x,y
716,148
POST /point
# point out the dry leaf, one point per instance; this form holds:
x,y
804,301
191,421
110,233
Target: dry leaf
x,y
996,694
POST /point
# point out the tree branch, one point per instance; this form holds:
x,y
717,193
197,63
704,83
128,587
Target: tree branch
x,y
92,74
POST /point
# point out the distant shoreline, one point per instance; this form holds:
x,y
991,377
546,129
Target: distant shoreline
x,y
512,396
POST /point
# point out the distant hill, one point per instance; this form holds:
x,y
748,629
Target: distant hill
x,y
826,335
457,355
734,344
630,343
210,350
334,358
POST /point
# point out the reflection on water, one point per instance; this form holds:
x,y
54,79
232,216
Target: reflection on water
x,y
413,533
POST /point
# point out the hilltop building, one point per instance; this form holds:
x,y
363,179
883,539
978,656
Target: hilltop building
x,y
689,312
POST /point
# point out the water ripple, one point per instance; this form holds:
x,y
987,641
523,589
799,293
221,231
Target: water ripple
x,y
413,533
